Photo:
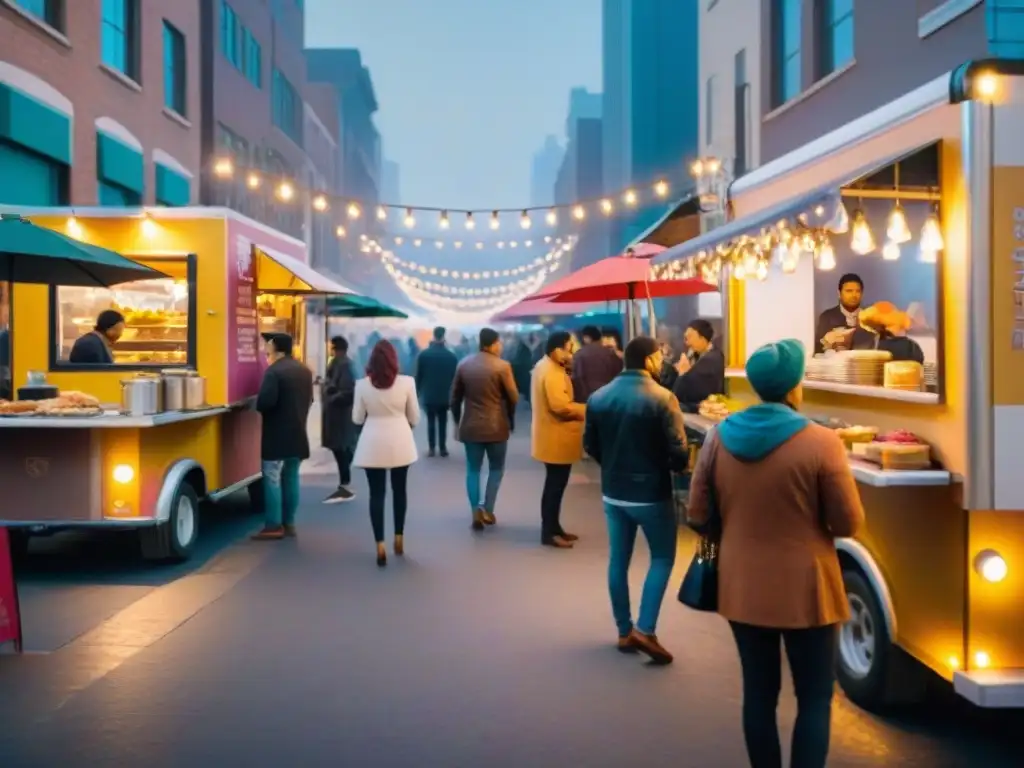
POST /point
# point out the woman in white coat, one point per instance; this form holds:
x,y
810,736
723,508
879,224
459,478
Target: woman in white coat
x,y
387,407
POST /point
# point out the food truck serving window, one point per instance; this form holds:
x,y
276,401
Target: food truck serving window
x,y
159,315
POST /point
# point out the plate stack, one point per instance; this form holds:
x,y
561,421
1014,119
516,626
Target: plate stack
x,y
863,368
816,368
931,375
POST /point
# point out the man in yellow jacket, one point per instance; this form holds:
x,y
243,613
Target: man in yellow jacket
x,y
557,435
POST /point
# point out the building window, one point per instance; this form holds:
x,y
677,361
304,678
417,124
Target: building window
x,y
709,111
786,50
174,70
286,107
50,11
229,35
253,55
119,36
836,36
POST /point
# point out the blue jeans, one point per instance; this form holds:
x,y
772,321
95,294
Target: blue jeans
x,y
495,453
658,522
280,491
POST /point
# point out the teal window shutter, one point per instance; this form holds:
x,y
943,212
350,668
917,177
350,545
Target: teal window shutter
x,y
172,189
32,124
119,164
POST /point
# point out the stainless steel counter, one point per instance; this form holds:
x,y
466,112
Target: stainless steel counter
x,y
107,420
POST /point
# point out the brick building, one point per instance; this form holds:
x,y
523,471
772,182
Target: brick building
x,y
99,102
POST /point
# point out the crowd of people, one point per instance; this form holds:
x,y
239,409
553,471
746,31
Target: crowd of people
x,y
770,488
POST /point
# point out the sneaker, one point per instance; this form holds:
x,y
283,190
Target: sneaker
x,y
340,496
269,534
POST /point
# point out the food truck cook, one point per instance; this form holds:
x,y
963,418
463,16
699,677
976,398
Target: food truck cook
x,y
94,347
844,316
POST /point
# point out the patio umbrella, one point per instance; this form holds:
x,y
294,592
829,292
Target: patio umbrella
x,y
360,306
532,307
34,254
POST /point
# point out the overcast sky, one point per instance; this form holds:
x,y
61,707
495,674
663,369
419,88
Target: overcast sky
x,y
468,89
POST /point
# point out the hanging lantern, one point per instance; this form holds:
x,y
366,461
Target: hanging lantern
x,y
826,257
931,234
897,231
862,241
891,251
840,223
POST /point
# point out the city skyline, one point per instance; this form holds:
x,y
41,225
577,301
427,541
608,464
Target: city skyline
x,y
463,114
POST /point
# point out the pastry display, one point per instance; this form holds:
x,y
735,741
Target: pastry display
x,y
717,407
856,434
18,407
905,375
899,456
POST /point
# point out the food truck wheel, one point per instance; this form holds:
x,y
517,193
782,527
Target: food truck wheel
x,y
175,539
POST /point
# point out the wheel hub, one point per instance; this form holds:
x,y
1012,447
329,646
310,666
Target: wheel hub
x,y
185,524
857,639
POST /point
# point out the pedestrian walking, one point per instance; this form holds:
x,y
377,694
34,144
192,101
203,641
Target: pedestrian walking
x,y
386,406
781,490
435,371
284,400
557,439
634,430
338,433
483,402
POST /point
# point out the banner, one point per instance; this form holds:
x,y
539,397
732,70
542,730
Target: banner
x,y
10,618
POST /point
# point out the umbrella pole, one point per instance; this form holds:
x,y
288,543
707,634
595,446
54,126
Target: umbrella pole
x,y
631,313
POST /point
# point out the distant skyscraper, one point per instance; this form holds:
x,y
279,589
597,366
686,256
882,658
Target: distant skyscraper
x,y
546,162
580,175
390,182
651,96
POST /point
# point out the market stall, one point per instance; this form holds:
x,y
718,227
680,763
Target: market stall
x,y
138,442
892,248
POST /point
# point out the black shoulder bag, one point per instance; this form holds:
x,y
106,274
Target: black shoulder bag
x,y
699,589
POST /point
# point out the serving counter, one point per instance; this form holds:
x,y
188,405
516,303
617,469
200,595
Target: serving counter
x,y
108,420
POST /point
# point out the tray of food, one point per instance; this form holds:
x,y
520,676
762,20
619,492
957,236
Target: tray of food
x,y
70,404
13,409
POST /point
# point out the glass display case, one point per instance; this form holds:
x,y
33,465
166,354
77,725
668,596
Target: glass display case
x,y
159,317
283,314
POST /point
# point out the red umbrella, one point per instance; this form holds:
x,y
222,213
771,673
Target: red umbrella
x,y
620,278
532,307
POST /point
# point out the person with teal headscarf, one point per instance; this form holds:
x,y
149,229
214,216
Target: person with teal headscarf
x,y
780,490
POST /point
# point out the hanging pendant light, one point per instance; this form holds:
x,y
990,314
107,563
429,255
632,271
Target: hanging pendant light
x,y
891,251
750,261
739,272
927,256
931,234
762,270
826,257
897,231
862,241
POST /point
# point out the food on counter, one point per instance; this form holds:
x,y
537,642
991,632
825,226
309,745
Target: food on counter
x,y
80,399
717,407
19,407
69,404
856,434
899,436
905,375
899,456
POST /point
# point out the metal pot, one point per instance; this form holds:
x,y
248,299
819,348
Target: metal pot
x,y
183,390
142,395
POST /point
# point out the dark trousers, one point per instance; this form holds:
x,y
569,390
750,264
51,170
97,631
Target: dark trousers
x,y
377,479
437,426
344,459
556,477
811,654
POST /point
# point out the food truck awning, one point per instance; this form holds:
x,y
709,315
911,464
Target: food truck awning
x,y
827,198
281,274
680,223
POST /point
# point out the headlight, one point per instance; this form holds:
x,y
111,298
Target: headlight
x,y
990,565
123,474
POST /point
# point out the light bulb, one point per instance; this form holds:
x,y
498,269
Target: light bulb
x,y
479,246
629,198
552,218
417,242
438,244
382,213
148,227
74,228
982,660
891,251
399,240
991,566
750,262
458,243
862,241
286,191
607,207
353,211
697,169
898,231
931,234
320,203
444,223
410,220
926,256
340,231
790,263
495,220
840,223
762,270
826,258
987,85
223,168
470,224
579,212
661,188
738,271
253,181
524,220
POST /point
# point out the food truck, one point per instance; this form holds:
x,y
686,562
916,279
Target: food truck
x,y
923,201
102,450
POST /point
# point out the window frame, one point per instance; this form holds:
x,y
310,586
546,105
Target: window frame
x,y
827,27
129,38
175,66
285,106
783,55
252,58
51,12
230,35
192,335
709,109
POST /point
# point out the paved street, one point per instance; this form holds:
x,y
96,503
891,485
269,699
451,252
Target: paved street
x,y
473,650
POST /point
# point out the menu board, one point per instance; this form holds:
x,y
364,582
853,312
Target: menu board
x,y
243,343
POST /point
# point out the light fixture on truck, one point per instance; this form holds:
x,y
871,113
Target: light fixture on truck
x,y
123,474
990,565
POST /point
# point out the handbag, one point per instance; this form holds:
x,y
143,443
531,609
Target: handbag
x,y
699,589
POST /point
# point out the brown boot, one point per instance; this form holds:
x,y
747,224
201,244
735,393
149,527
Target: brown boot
x,y
399,545
489,518
558,542
478,520
627,645
290,532
649,646
269,534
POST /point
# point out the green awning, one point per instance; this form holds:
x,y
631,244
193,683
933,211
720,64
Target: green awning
x,y
360,306
117,163
27,121
172,188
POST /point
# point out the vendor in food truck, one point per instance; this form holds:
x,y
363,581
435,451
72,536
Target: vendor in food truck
x,y
884,327
836,325
94,348
701,369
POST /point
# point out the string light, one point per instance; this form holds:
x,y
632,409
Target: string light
x,y
630,198
285,191
252,181
826,257
340,231
495,220
931,234
382,213
470,224
410,220
661,188
524,220
579,213
897,231
445,224
223,168
353,211
607,207
552,218
320,203
74,229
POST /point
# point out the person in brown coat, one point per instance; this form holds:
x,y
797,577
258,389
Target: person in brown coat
x,y
593,366
557,434
781,489
483,403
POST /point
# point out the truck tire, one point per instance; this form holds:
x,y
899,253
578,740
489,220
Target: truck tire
x,y
873,672
175,539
